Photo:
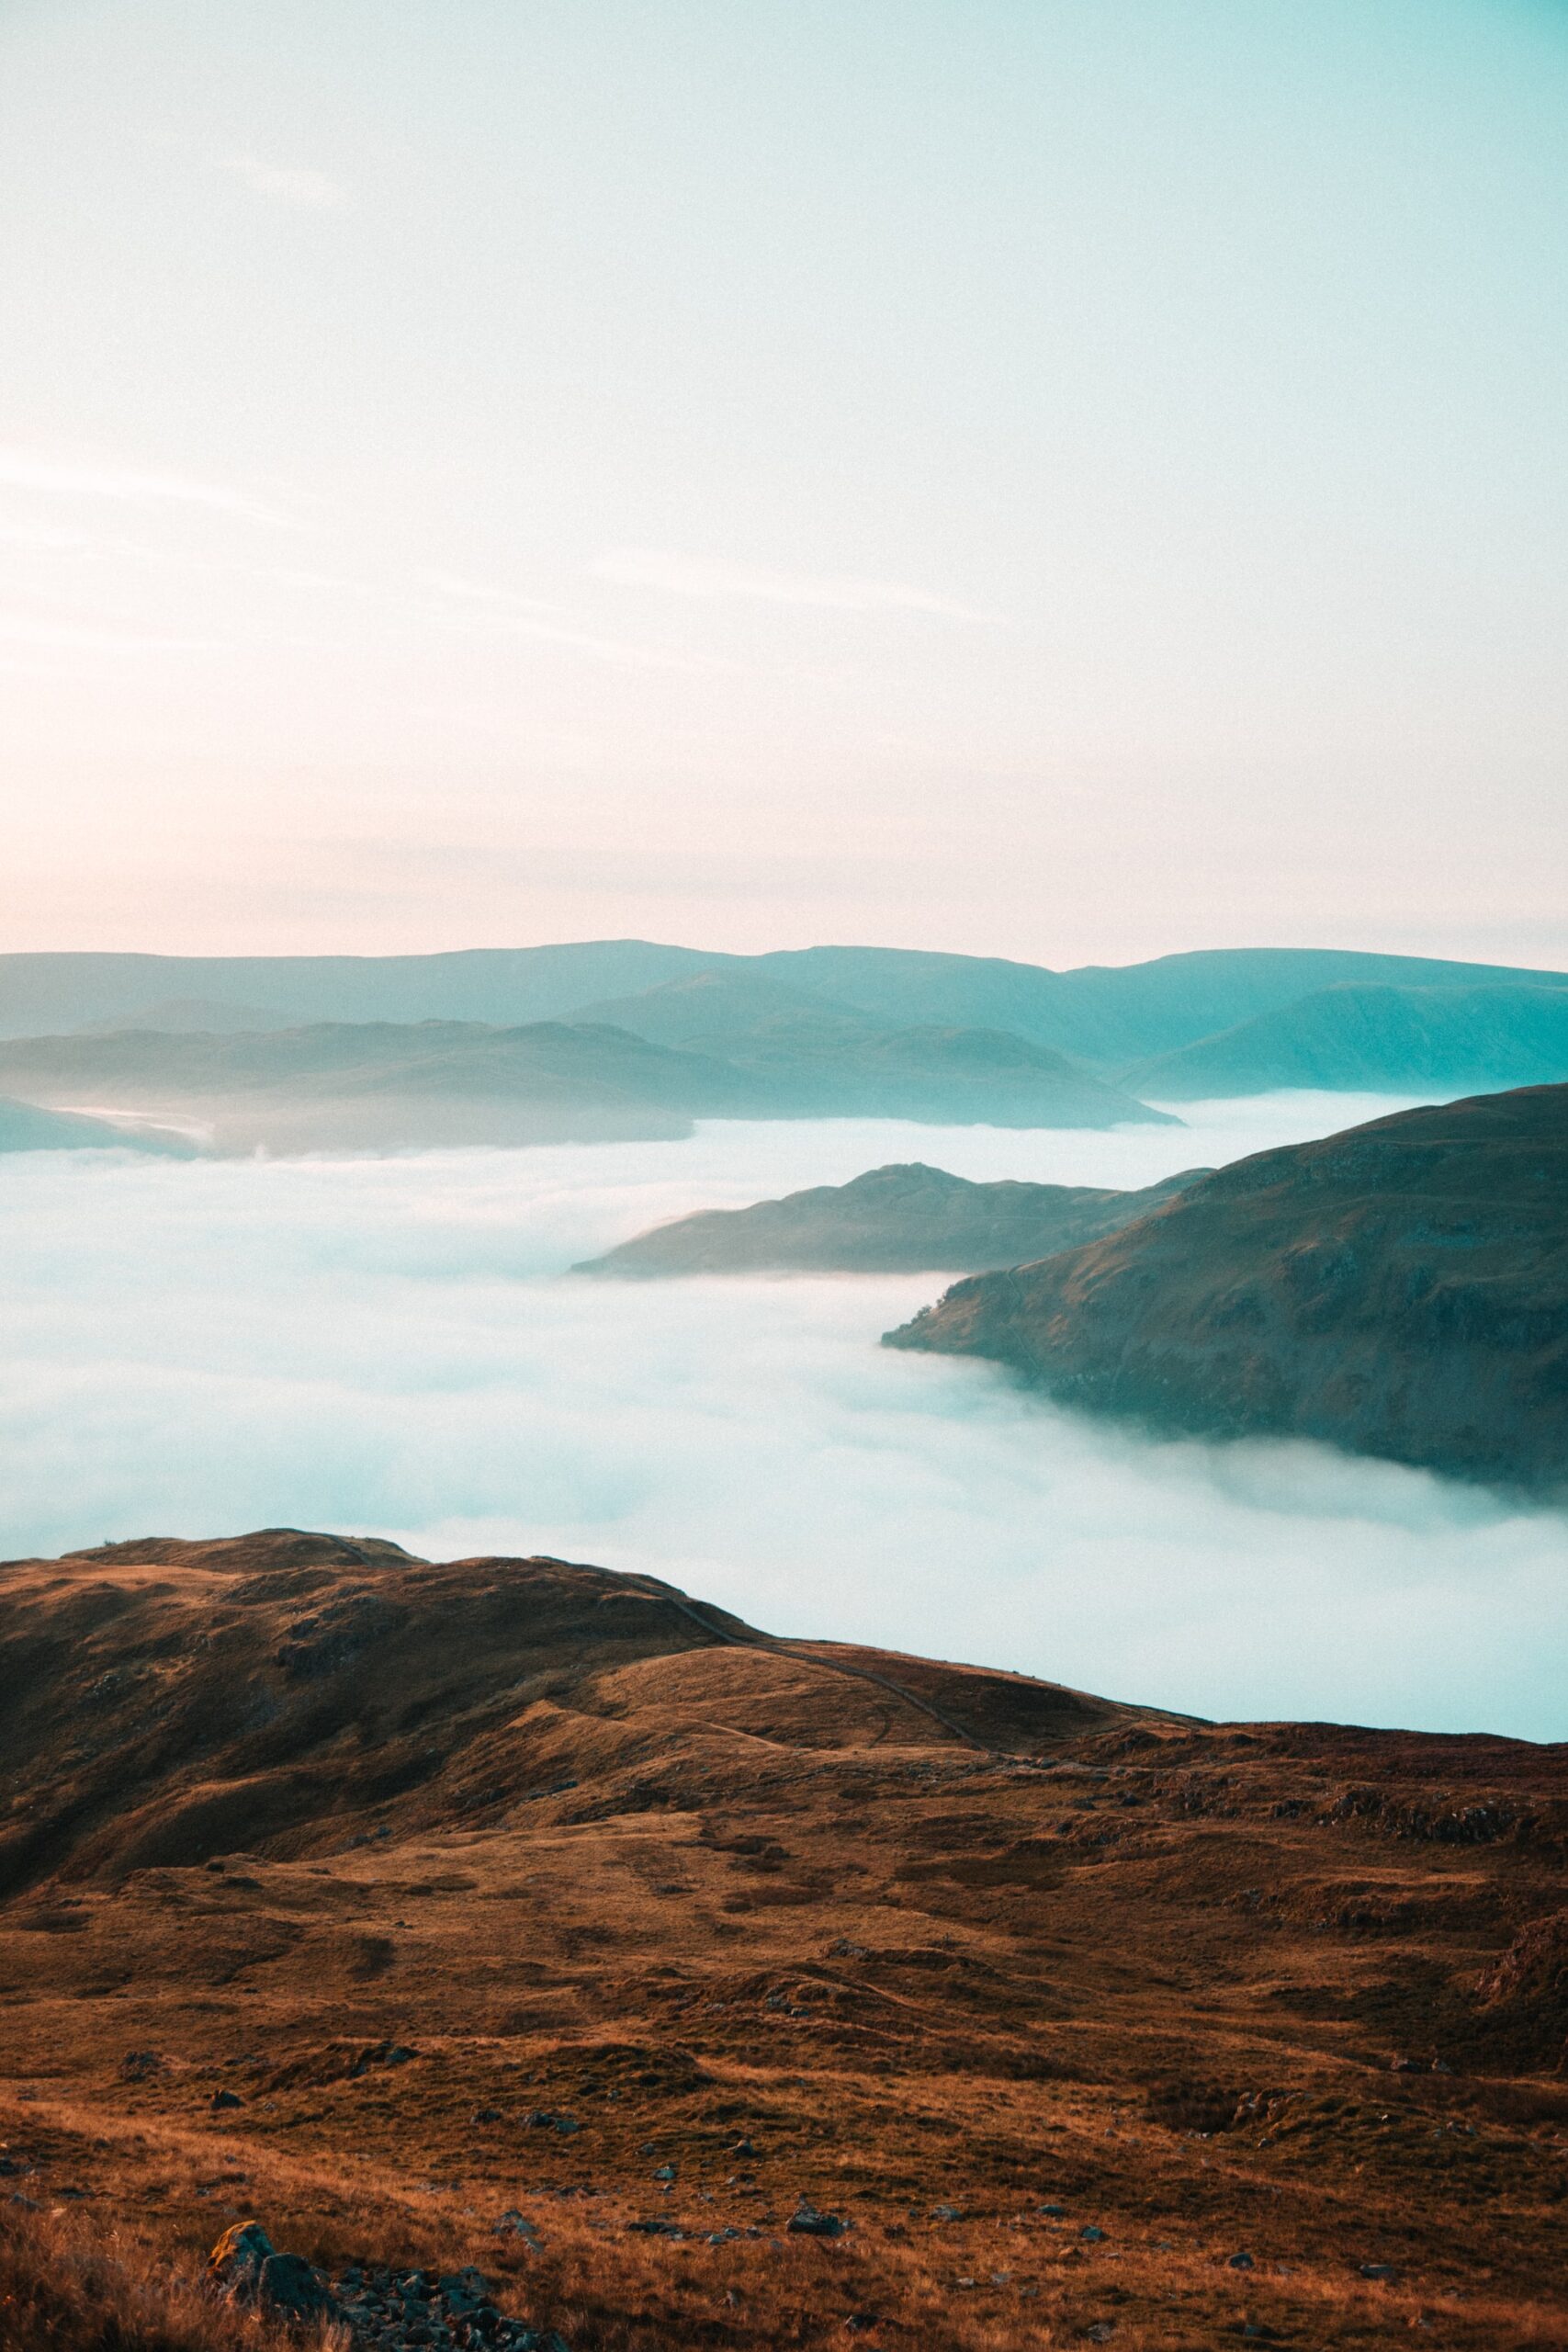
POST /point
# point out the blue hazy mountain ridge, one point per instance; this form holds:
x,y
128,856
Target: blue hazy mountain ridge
x,y
1378,1040
24,1126
819,1057
1400,1289
1109,1015
907,1219
1105,1016
386,1086
391,1086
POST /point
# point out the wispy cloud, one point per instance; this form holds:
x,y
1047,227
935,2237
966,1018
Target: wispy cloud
x,y
56,636
494,612
297,184
473,591
681,575
32,469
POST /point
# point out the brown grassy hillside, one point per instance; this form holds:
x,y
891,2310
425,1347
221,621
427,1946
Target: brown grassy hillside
x,y
511,1887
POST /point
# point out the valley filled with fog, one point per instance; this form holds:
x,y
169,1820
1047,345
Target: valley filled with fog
x,y
395,1346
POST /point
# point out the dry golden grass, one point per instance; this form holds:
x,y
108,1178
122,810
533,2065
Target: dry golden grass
x,y
68,2287
586,1859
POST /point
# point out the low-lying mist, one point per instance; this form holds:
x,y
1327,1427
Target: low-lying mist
x,y
393,1346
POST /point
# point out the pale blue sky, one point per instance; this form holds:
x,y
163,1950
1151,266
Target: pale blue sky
x,y
1067,481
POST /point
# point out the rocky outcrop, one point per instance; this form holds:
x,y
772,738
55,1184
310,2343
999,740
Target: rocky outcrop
x,y
375,2307
902,1219
1400,1289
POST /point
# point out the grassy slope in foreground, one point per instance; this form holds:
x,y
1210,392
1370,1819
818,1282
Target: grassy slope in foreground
x,y
903,1219
1400,1289
1069,2000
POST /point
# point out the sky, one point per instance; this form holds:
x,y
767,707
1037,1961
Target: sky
x,y
1027,477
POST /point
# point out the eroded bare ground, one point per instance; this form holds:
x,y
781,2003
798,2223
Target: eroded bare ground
x,y
383,1901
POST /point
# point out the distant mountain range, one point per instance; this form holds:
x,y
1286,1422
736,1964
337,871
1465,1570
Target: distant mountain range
x,y
903,1219
400,1086
1105,1016
820,1032
1400,1289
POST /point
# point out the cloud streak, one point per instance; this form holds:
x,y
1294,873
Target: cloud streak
x,y
51,476
298,185
496,613
715,578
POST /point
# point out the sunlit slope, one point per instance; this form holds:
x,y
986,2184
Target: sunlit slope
x,y
399,1903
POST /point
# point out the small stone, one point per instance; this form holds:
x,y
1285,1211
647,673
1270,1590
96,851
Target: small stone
x,y
946,2214
1091,2235
1053,2212
1385,2270
807,2222
225,2098
1241,2261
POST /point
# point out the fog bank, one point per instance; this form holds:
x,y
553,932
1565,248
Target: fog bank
x,y
393,1347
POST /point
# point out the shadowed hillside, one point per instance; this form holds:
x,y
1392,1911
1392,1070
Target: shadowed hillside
x,y
513,1914
903,1219
1400,1289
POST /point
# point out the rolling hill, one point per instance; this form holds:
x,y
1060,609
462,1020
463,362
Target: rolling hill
x,y
1108,1017
905,1219
1379,1040
555,1930
382,1086
387,1086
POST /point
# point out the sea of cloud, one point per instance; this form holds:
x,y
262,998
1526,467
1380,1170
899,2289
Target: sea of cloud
x,y
395,1346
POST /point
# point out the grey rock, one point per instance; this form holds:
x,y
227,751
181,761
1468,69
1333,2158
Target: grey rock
x,y
807,2222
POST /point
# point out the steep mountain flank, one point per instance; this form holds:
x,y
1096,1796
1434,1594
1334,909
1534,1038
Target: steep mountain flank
x,y
902,1219
696,1987
1400,1289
